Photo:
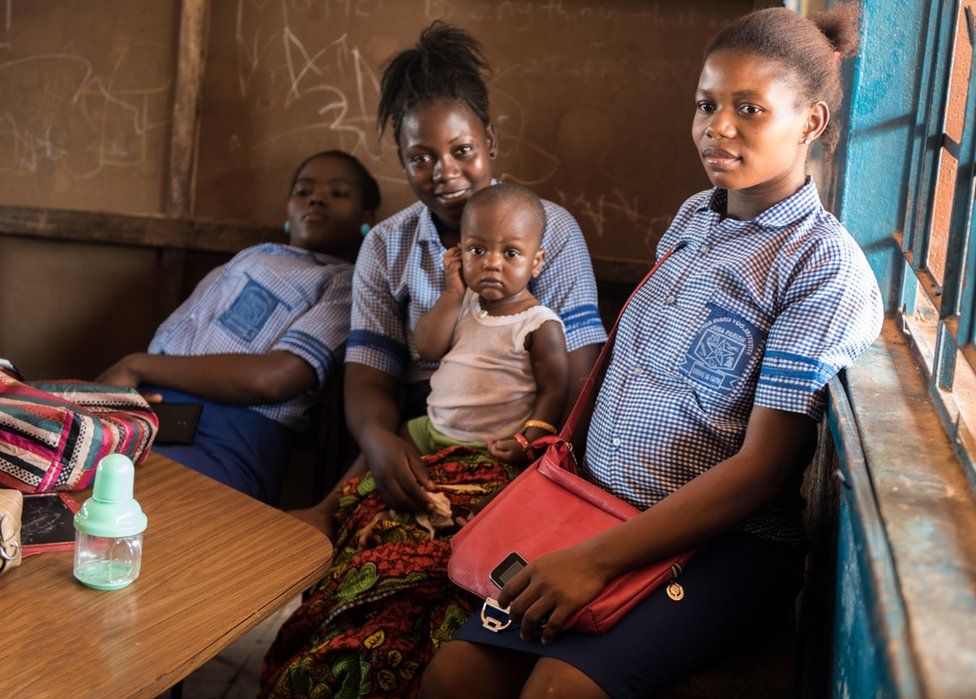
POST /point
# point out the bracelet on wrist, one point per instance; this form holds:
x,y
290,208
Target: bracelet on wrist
x,y
540,425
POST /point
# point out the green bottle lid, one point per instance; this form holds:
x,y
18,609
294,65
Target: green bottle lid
x,y
111,511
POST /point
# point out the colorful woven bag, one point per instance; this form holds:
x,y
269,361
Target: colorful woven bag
x,y
53,433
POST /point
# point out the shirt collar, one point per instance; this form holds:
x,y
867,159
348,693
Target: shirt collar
x,y
428,231
800,204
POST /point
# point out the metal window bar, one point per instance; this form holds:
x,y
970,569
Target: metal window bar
x,y
961,231
955,299
929,130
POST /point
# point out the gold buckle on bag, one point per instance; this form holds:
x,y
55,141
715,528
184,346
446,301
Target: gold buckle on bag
x,y
492,623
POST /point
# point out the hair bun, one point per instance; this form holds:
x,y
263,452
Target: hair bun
x,y
840,25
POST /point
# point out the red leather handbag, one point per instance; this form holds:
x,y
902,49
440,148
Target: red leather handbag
x,y
550,508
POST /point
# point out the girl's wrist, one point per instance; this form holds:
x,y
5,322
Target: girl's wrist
x,y
597,550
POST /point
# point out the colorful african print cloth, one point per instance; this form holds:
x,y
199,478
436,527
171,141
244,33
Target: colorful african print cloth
x,y
385,607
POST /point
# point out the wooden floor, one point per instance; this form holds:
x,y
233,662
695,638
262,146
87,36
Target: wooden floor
x,y
234,673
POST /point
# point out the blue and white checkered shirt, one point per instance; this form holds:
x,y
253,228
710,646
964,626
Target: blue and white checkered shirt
x,y
400,275
760,312
268,297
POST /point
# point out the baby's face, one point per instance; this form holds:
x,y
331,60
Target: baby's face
x,y
500,250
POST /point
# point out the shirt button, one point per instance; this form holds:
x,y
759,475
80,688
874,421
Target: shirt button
x,y
670,299
615,441
638,371
703,248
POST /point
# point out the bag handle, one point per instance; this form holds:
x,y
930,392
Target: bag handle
x,y
581,402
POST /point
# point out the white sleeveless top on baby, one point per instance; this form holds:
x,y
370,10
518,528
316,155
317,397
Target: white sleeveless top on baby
x,y
484,387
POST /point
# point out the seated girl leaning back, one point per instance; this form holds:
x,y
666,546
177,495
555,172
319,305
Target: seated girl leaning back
x,y
261,335
502,379
706,417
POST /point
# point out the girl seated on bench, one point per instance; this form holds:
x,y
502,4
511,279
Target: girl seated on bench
x,y
260,336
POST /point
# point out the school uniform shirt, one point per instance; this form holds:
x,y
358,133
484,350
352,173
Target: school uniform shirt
x,y
400,275
268,297
760,312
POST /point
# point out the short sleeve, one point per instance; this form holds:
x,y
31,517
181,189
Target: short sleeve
x,y
377,336
831,313
566,284
318,335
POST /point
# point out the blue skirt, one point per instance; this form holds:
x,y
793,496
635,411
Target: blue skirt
x,y
735,588
234,445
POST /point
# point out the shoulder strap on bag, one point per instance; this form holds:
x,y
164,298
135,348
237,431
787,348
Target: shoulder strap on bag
x,y
584,397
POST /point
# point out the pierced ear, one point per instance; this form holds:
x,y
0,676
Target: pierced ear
x,y
538,262
817,122
491,136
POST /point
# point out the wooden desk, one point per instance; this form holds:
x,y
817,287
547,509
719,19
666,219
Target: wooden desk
x,y
215,563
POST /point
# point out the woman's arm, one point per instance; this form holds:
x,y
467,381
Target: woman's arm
x,y
556,585
235,379
435,328
373,415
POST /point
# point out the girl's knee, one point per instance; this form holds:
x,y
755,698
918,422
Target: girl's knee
x,y
449,673
554,678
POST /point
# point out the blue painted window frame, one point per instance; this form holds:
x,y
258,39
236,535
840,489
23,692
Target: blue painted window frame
x,y
955,298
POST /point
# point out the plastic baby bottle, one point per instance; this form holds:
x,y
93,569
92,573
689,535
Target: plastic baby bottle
x,y
109,527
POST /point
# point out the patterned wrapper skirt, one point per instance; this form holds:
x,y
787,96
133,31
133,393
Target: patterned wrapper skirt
x,y
371,626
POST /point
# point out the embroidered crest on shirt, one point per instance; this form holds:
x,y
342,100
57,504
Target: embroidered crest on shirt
x,y
722,351
250,311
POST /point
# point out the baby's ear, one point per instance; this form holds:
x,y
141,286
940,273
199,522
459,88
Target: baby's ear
x,y
538,262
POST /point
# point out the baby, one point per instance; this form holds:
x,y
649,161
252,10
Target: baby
x,y
503,379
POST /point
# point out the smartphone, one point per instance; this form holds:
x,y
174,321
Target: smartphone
x,y
177,422
507,569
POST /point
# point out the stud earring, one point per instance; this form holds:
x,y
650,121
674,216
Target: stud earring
x,y
806,140
287,227
492,154
364,229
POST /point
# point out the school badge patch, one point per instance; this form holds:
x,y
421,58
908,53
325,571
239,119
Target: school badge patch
x,y
722,351
250,311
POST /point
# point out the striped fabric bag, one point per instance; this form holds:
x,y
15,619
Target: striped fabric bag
x,y
53,433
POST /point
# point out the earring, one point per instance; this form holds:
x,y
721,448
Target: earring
x,y
806,140
287,227
364,229
492,154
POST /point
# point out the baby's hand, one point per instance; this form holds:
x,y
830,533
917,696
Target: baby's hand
x,y
509,451
453,281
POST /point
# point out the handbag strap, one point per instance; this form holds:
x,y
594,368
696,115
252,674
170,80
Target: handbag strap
x,y
583,400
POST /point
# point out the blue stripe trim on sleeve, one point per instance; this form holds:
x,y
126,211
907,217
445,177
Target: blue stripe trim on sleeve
x,y
790,357
796,374
367,338
311,340
313,346
764,381
583,321
585,309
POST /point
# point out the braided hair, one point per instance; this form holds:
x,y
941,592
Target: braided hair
x,y
811,49
446,63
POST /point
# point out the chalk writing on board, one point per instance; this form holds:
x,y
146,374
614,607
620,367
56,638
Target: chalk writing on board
x,y
56,108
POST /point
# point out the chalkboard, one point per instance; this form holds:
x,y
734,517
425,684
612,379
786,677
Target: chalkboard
x,y
86,102
593,101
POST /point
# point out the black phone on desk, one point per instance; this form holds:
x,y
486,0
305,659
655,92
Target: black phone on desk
x,y
177,422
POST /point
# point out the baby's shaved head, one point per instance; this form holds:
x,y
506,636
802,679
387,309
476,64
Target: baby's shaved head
x,y
514,196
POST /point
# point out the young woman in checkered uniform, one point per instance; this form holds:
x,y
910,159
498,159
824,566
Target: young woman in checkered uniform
x,y
707,414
